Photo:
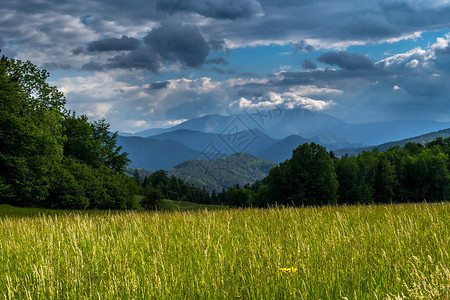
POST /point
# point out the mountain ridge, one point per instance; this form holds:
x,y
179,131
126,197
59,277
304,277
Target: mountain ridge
x,y
279,124
421,139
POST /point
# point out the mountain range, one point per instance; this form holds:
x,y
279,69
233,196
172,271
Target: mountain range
x,y
422,139
306,123
269,135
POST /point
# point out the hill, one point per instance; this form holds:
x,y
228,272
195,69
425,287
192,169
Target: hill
x,y
421,139
239,168
155,154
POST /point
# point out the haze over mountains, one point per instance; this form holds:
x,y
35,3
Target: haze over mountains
x,y
270,135
421,139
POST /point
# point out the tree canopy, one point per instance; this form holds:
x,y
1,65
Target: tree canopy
x,y
49,156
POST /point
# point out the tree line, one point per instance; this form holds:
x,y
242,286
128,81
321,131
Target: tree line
x,y
49,156
313,176
158,186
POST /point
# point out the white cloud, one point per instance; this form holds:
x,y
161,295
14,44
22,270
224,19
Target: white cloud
x,y
288,100
396,87
100,86
95,110
401,59
412,64
405,36
313,90
140,123
174,122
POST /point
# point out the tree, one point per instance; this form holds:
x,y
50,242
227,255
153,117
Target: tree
x,y
30,133
50,157
239,197
385,180
153,200
93,143
308,178
347,175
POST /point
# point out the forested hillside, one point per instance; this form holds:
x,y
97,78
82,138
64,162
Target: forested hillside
x,y
314,176
239,168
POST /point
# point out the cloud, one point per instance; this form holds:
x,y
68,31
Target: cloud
x,y
222,71
308,64
78,50
140,123
286,100
92,66
142,58
217,61
177,42
412,64
348,61
302,46
172,42
159,85
114,44
218,45
53,66
2,43
219,9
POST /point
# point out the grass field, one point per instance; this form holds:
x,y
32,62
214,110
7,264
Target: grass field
x,y
359,252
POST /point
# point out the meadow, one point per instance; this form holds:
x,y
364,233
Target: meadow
x,y
354,252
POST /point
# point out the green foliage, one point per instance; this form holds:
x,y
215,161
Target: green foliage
x,y
49,157
308,178
93,143
239,197
30,134
410,174
171,187
153,200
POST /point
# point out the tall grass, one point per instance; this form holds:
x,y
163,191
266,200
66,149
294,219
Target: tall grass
x,y
359,252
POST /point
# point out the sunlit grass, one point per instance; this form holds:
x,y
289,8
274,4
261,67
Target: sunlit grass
x,y
359,252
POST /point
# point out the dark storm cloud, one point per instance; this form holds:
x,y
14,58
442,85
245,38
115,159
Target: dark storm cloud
x,y
218,45
142,58
159,85
172,42
92,66
302,46
308,64
344,60
54,66
75,24
217,61
177,42
219,9
114,44
335,21
443,51
78,50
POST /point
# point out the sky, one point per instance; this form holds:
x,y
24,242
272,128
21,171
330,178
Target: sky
x,y
154,63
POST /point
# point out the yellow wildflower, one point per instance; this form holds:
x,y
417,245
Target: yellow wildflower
x,y
291,270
